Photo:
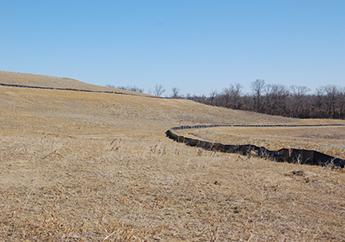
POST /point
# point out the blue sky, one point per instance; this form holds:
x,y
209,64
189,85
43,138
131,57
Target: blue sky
x,y
195,45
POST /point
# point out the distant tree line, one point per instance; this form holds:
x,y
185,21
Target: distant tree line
x,y
128,88
295,101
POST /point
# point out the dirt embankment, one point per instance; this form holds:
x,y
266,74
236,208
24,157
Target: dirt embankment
x,y
291,155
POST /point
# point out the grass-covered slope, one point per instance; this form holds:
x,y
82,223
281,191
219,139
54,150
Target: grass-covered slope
x,y
92,166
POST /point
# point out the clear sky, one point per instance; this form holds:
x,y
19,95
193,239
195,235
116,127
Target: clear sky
x,y
195,45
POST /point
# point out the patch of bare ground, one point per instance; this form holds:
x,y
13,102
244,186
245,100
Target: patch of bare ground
x,y
93,167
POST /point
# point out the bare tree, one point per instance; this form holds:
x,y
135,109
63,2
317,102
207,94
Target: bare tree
x,y
341,104
275,100
159,90
212,97
258,88
175,92
331,99
232,96
299,91
299,105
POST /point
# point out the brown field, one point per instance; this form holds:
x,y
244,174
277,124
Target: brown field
x,y
50,81
329,140
92,167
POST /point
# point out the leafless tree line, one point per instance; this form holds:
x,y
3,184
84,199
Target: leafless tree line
x,y
295,101
128,88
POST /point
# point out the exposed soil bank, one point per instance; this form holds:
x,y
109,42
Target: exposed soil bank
x,y
301,156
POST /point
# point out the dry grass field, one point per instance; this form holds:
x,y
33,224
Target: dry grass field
x,y
93,167
50,81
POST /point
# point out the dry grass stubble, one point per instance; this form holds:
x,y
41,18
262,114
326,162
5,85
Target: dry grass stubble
x,y
77,167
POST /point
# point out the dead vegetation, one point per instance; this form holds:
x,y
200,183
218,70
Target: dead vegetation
x,y
93,167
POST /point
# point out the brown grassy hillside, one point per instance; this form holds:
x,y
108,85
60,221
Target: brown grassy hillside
x,y
50,81
90,166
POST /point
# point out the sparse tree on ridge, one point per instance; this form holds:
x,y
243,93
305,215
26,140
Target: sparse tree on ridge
x,y
213,96
175,92
159,90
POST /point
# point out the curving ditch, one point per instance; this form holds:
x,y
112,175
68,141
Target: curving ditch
x,y
291,155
